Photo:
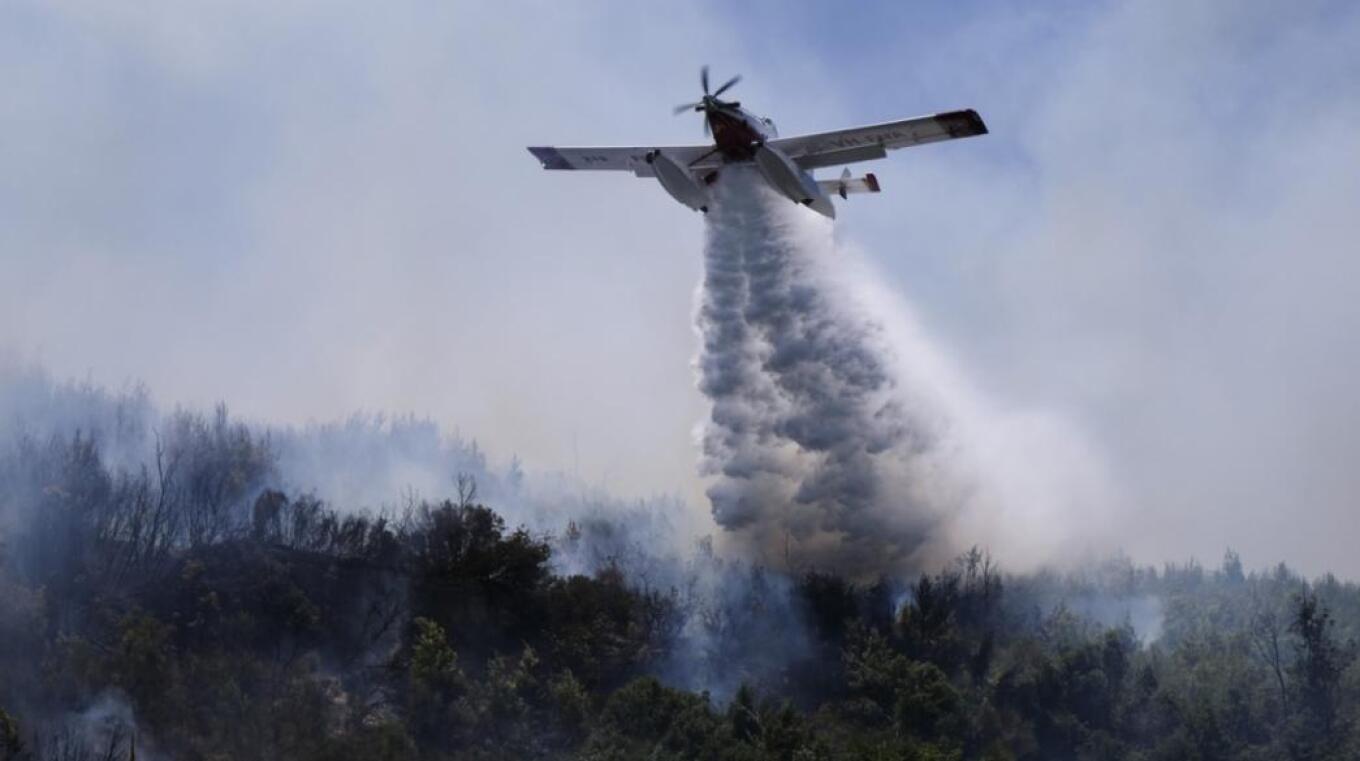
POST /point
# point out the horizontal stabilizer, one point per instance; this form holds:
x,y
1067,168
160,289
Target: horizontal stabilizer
x,y
845,184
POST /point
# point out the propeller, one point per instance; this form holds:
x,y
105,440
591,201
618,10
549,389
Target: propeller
x,y
710,100
726,85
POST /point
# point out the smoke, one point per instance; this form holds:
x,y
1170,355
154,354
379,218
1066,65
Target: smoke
x,y
373,463
815,451
841,436
106,730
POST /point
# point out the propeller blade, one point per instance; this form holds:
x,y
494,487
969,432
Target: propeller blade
x,y
680,109
729,83
706,130
703,77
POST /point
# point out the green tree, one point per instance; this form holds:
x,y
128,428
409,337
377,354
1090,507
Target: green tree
x,y
1319,663
11,744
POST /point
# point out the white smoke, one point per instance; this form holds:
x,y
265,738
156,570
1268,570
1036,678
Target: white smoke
x,y
839,436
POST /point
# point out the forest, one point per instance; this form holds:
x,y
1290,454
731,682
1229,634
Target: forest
x,y
166,594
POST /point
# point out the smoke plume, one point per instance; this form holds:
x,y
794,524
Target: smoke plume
x,y
816,452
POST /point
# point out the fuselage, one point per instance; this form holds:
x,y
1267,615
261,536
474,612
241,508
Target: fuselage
x,y
737,133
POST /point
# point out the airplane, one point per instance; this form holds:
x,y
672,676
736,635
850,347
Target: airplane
x,y
786,163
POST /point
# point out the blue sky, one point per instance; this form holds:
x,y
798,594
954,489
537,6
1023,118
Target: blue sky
x,y
313,209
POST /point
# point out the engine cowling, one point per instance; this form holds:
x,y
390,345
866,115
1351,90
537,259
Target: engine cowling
x,y
679,181
792,181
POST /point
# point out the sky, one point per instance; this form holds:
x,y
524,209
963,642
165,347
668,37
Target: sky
x,y
310,209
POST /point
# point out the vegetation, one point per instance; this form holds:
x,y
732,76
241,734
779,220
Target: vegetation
x,y
188,609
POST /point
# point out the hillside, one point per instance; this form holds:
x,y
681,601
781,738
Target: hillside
x,y
186,605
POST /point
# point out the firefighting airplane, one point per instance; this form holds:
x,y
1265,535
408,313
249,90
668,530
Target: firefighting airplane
x,y
786,163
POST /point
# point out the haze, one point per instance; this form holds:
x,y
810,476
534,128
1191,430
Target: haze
x,y
310,211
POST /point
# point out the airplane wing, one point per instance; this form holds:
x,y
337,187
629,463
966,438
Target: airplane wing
x,y
625,159
874,141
